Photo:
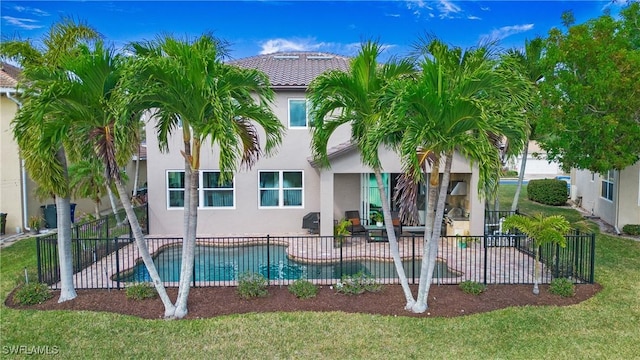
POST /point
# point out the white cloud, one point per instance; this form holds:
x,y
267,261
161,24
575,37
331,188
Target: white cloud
x,y
484,8
27,24
277,45
30,10
448,9
471,17
506,31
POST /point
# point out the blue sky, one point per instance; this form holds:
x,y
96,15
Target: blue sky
x,y
258,27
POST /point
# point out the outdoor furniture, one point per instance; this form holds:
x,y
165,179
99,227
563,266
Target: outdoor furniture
x,y
356,226
374,233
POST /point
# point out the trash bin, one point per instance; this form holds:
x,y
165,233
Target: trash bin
x,y
50,216
72,210
3,222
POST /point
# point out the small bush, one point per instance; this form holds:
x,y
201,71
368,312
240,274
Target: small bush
x,y
631,229
303,289
252,285
32,293
547,191
472,287
508,173
562,286
141,291
358,284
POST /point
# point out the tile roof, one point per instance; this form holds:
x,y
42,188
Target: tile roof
x,y
9,75
294,69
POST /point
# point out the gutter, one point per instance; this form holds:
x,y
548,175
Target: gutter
x,y
23,171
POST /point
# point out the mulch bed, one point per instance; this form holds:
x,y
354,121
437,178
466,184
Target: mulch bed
x,y
444,301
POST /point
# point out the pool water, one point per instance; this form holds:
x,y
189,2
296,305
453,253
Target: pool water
x,y
214,263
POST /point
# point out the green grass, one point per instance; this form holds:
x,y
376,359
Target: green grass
x,y
604,327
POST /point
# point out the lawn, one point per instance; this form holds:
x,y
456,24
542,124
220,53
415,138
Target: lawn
x,y
606,326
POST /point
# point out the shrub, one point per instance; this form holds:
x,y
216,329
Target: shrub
x,y
547,191
303,289
251,285
141,291
562,286
472,287
32,293
631,229
358,284
508,173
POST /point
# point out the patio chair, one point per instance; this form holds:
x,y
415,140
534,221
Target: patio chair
x,y
356,222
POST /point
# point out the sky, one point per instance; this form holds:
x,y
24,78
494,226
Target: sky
x,y
261,27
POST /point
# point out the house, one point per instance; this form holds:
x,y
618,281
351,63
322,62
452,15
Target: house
x,y
537,164
278,192
17,191
614,197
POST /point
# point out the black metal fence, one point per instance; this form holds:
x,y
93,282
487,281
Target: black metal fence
x,y
500,259
91,242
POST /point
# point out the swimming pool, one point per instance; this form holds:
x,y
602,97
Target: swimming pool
x,y
213,263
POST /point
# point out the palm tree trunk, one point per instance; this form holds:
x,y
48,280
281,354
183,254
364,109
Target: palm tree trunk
x,y
190,227
63,212
112,200
434,219
523,165
169,309
393,242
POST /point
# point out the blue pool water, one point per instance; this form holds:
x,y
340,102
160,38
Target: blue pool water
x,y
214,263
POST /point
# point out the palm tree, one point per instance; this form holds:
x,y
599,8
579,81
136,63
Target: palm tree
x,y
36,131
92,105
541,230
355,98
460,102
188,82
530,67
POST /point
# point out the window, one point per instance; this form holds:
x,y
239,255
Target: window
x,y
215,192
175,189
280,188
298,113
212,192
607,185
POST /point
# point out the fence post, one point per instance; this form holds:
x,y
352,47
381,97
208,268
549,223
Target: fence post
x,y
39,261
341,243
106,224
484,241
193,272
117,264
268,261
413,258
592,260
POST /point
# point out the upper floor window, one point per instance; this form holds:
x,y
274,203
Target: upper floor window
x,y
298,113
607,185
280,188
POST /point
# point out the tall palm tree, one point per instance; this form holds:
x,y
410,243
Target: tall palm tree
x,y
530,67
36,132
541,230
355,98
91,104
460,102
188,82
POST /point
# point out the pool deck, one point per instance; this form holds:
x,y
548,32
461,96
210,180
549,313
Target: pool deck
x,y
470,262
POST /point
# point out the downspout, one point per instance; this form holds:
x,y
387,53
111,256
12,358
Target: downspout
x,y
23,171
617,216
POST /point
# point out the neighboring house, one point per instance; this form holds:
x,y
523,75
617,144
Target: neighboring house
x,y
17,190
614,196
276,194
537,164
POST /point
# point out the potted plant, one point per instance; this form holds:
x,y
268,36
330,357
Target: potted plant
x,y
378,218
34,224
340,231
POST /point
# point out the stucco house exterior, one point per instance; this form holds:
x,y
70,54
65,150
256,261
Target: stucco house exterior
x,y
17,190
537,164
614,196
279,191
